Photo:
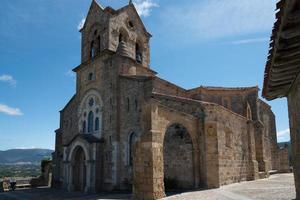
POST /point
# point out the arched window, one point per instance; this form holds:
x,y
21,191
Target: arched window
x,y
132,141
121,38
97,124
92,49
90,76
90,122
138,53
84,126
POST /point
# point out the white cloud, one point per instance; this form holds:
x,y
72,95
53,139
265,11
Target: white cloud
x,y
81,23
283,135
208,19
249,41
10,111
144,7
8,79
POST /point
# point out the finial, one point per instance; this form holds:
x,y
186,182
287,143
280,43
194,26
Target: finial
x,y
130,1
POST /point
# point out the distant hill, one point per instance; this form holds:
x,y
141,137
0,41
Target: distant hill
x,y
24,156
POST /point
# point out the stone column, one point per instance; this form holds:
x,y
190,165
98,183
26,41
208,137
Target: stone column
x,y
88,176
148,176
68,178
253,165
260,149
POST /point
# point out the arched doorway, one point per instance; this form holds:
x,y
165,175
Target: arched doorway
x,y
178,159
79,169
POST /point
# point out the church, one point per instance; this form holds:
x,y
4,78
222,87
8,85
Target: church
x,y
127,129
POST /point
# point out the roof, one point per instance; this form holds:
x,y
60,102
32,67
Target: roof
x,y
112,11
282,67
87,137
211,88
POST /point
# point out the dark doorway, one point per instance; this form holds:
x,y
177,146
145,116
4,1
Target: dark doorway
x,y
178,159
79,170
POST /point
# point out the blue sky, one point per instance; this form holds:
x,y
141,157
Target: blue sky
x,y
195,42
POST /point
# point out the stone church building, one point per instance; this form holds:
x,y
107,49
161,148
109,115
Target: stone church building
x,y
125,128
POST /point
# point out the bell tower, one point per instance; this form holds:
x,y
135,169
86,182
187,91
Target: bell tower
x,y
109,29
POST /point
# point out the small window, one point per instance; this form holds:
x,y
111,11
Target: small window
x,y
90,76
138,54
110,139
91,102
132,141
121,38
130,23
99,44
84,127
90,122
128,104
92,49
97,124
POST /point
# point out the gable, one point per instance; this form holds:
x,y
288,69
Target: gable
x,y
93,15
131,11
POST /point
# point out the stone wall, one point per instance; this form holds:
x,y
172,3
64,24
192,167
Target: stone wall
x,y
235,146
294,117
235,99
284,163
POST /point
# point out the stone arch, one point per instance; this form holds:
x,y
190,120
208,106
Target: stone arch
x,y
139,52
79,169
178,156
132,139
91,102
84,165
75,145
94,39
123,35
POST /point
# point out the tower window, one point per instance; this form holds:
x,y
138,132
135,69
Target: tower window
x,y
90,77
84,127
121,37
90,122
97,124
138,54
130,23
92,49
99,44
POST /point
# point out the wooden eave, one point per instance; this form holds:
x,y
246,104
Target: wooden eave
x,y
283,64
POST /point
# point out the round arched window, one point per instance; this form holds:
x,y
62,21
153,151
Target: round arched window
x,y
90,114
